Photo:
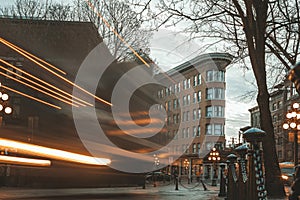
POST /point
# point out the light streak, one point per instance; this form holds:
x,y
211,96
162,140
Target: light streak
x,y
45,88
116,33
58,75
53,153
24,161
35,57
30,97
44,82
35,88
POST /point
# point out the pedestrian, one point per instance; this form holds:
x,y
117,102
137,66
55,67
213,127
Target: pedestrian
x,y
296,185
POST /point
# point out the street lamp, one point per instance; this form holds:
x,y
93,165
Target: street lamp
x,y
293,123
214,156
3,103
156,164
186,164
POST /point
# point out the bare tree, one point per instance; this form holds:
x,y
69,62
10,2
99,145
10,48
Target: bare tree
x,y
266,33
119,25
59,12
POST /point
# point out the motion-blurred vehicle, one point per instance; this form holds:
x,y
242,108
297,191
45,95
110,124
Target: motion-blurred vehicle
x,y
287,172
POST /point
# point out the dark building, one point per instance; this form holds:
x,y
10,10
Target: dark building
x,y
64,45
281,99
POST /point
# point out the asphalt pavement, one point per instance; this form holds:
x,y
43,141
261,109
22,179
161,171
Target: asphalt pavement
x,y
193,191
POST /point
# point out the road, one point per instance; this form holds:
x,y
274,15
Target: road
x,y
166,192
132,193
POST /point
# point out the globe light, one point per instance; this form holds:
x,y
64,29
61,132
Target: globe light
x,y
0,94
8,110
293,125
289,115
298,127
1,107
219,158
209,158
296,105
294,114
285,126
4,97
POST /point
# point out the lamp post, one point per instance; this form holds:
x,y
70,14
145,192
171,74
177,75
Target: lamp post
x,y
3,103
293,123
214,156
156,164
186,165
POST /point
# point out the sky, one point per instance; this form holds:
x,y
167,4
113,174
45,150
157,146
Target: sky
x,y
170,50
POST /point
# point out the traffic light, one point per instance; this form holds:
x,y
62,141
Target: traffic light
x,y
294,76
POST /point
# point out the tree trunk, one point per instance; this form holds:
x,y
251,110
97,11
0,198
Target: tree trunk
x,y
255,28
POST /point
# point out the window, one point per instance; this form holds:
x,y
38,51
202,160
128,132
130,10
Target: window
x,y
198,131
196,114
274,106
214,129
218,111
199,79
195,97
187,133
209,76
187,115
183,133
169,120
279,104
219,93
194,148
208,129
188,99
178,88
184,84
218,129
195,80
199,96
199,113
199,147
209,111
174,103
214,75
169,105
279,154
184,100
175,119
209,145
194,131
215,93
209,93
188,83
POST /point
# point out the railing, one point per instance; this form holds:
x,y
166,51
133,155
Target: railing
x,y
245,176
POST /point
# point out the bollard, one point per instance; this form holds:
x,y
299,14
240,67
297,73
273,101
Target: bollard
x,y
222,192
254,136
176,182
243,178
232,178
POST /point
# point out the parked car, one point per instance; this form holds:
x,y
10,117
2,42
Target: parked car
x,y
287,172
